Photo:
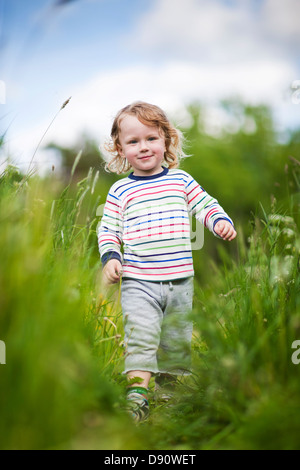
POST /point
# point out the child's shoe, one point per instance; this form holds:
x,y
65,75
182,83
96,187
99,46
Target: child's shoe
x,y
137,404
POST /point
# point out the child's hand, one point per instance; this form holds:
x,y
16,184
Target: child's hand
x,y
225,230
112,271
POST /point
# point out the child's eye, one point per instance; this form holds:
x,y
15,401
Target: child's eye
x,y
133,141
152,138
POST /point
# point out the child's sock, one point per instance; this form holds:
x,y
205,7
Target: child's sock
x,y
138,406
141,390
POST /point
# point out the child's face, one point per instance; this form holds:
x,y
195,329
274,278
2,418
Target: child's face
x,y
143,146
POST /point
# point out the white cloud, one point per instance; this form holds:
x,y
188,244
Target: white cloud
x,y
218,32
282,19
171,86
191,28
190,50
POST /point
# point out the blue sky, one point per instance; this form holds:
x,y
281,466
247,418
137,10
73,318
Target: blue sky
x,y
107,53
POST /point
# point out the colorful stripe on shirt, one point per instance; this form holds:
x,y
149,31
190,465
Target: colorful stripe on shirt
x,y
146,224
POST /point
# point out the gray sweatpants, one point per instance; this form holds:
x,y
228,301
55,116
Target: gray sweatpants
x,y
158,332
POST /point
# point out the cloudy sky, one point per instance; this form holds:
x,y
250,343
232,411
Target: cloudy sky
x,y
107,53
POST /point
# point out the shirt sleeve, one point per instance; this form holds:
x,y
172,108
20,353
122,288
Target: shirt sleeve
x,y
204,207
110,230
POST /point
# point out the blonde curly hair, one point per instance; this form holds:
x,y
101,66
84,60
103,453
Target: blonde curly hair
x,y
150,115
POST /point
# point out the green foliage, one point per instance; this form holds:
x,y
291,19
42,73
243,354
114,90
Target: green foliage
x,y
243,166
244,392
62,386
54,385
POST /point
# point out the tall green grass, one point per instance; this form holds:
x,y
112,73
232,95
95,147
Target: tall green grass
x,y
62,384
245,390
57,381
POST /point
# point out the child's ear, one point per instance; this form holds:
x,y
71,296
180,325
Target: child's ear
x,y
120,151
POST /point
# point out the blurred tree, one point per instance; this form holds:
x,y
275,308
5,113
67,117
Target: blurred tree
x,y
91,157
244,164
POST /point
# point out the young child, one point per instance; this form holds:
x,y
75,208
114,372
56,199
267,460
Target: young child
x,y
144,236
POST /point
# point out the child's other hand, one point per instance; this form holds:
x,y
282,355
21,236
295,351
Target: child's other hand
x,y
225,230
112,271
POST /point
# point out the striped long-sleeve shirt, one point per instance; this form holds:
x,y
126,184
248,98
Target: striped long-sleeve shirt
x,y
146,224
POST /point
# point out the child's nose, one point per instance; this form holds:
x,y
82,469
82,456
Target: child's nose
x,y
144,146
